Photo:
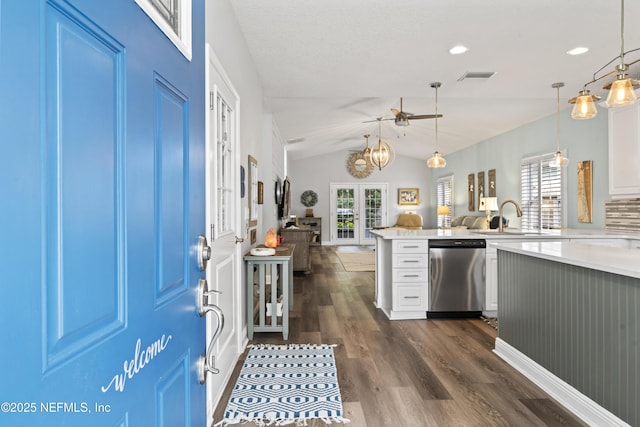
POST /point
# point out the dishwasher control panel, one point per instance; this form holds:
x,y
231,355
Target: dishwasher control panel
x,y
457,243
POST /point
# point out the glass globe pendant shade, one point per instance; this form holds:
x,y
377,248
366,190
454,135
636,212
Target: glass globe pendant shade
x,y
381,155
436,161
559,160
621,92
584,107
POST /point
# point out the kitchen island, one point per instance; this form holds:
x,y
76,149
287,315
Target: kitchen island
x,y
402,270
569,319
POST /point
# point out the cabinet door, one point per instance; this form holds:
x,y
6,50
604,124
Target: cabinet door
x,y
624,151
408,297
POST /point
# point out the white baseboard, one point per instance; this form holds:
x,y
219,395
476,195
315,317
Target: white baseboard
x,y
582,406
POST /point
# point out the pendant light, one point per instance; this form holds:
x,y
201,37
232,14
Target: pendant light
x,y
621,90
436,160
558,159
381,154
584,105
366,153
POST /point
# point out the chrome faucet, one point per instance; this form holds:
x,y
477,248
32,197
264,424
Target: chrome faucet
x,y
518,212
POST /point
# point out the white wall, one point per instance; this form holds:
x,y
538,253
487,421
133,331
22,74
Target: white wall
x,y
227,41
583,140
316,173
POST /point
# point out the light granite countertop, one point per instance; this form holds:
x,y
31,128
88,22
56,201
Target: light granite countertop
x,y
508,234
622,261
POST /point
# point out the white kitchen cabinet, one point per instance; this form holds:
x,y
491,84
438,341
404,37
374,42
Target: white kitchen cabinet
x,y
410,279
624,151
491,279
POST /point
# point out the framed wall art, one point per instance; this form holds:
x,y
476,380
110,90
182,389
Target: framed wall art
x,y
584,191
253,191
408,196
241,182
471,192
492,183
481,188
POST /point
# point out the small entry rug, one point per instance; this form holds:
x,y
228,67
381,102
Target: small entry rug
x,y
286,384
357,260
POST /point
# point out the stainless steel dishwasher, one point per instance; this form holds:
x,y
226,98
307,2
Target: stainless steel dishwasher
x,y
456,277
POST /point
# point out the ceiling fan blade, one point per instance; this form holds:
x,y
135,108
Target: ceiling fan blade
x,y
381,120
424,116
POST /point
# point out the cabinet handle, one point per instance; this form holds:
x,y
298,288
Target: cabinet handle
x,y
413,297
410,247
411,275
414,261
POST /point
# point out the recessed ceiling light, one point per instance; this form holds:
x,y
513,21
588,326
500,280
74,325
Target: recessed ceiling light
x,y
578,50
457,50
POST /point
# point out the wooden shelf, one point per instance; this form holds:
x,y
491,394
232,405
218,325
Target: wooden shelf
x,y
315,225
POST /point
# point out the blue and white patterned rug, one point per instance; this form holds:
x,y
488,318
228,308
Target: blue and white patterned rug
x,y
286,384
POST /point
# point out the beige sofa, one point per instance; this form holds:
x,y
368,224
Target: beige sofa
x,y
471,222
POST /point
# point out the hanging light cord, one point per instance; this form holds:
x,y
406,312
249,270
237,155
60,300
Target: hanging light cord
x,y
558,117
436,118
621,56
622,35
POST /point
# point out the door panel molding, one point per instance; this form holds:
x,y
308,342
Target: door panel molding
x,y
82,187
171,115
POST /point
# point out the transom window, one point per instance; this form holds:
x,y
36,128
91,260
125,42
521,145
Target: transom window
x,y
542,193
173,17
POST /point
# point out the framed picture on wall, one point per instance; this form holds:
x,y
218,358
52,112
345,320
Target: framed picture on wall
x,y
481,189
584,191
470,192
492,183
408,196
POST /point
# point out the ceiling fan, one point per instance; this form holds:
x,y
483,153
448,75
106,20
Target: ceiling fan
x,y
401,117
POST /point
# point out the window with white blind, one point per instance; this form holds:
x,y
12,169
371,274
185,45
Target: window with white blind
x,y
444,197
542,193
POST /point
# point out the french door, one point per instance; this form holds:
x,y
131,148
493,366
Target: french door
x,y
222,210
355,210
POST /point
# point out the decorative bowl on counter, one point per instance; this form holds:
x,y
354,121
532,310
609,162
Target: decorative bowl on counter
x,y
262,251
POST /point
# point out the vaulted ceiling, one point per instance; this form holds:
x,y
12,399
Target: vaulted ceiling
x,y
327,66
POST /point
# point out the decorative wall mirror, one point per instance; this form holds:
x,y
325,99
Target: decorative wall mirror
x,y
358,165
253,191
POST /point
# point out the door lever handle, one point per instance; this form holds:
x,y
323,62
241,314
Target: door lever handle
x,y
207,362
202,297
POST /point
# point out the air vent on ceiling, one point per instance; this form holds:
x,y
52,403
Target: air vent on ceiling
x,y
477,75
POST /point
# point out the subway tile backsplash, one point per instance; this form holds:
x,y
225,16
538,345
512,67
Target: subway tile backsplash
x,y
622,214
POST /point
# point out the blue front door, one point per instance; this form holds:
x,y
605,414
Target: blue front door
x,y
101,205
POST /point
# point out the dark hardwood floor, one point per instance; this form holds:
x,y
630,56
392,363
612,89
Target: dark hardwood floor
x,y
410,372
